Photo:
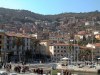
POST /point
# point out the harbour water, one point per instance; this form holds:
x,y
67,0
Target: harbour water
x,y
83,73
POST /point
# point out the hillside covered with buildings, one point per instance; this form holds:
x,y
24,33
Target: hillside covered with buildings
x,y
27,35
29,22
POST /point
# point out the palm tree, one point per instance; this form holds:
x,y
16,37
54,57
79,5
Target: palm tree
x,y
35,46
19,43
85,55
28,55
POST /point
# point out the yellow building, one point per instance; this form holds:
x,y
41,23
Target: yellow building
x,y
45,47
97,36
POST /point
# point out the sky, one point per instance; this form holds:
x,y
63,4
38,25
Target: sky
x,y
52,6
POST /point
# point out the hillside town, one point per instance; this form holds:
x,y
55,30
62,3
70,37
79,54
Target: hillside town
x,y
75,36
53,46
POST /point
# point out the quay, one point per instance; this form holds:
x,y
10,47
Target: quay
x,y
48,68
86,68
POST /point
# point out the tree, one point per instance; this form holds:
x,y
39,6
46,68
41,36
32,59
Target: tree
x,y
85,54
19,43
28,55
35,45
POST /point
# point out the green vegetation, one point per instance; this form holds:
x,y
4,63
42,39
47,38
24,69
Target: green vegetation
x,y
54,72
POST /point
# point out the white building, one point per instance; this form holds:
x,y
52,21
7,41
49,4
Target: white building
x,y
58,51
15,46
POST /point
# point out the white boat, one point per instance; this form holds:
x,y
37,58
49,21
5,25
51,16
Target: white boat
x,y
74,74
3,73
13,74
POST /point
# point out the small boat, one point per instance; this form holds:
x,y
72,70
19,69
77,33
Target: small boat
x,y
13,74
3,73
74,74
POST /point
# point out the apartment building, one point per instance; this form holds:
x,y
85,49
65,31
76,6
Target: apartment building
x,y
95,48
14,45
45,47
58,51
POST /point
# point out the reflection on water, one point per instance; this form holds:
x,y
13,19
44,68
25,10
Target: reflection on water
x,y
82,73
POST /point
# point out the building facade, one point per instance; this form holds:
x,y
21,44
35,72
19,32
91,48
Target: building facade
x,y
58,51
13,46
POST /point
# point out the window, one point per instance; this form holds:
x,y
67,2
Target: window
x,y
64,50
7,42
61,54
61,46
58,50
8,47
27,43
0,36
27,48
58,46
0,47
58,54
8,37
54,46
64,47
0,42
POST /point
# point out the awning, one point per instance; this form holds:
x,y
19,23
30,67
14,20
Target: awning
x,y
65,58
98,58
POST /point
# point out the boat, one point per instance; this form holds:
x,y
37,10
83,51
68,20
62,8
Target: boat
x,y
3,73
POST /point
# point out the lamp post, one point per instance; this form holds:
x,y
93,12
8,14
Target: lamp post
x,y
93,47
71,49
77,54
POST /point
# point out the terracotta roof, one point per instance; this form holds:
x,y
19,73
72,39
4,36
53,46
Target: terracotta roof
x,y
84,47
59,44
82,32
10,33
17,34
97,44
63,44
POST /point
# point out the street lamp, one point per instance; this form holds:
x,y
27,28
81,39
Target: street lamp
x,y
71,49
93,47
77,53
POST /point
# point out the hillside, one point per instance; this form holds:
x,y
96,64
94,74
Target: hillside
x,y
18,20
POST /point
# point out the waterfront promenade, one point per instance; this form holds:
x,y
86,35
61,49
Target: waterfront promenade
x,y
48,67
86,68
37,67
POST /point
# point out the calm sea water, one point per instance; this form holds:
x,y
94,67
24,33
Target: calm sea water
x,y
82,73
